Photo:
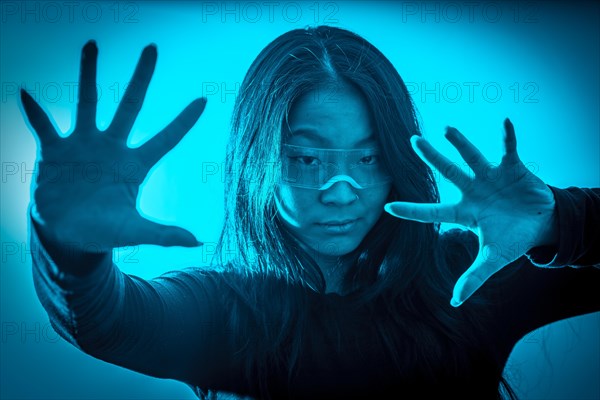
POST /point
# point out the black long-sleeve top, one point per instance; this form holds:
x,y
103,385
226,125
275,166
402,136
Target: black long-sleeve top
x,y
176,325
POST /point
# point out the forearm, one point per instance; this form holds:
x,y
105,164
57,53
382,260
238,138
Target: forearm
x,y
153,327
80,291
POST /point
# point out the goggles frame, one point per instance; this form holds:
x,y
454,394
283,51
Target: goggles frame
x,y
332,166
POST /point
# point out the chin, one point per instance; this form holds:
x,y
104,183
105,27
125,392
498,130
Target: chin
x,y
336,247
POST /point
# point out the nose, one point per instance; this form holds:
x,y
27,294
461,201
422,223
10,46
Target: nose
x,y
341,193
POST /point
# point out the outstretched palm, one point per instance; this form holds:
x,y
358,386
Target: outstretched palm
x,y
87,184
508,207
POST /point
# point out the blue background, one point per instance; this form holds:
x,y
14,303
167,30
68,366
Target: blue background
x,y
535,63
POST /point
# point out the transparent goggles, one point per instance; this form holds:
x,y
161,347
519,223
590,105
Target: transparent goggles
x,y
314,168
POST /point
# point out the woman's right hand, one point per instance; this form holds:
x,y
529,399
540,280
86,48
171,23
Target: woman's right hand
x,y
87,183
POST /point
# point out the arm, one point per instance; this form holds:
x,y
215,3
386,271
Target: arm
x,y
165,327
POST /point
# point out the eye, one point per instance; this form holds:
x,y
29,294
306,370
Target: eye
x,y
369,160
306,160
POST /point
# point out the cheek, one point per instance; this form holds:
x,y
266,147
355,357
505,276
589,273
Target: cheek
x,y
374,199
294,204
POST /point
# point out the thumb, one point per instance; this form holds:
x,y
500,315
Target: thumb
x,y
167,235
478,273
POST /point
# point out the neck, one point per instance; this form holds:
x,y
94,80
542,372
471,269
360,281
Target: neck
x,y
334,269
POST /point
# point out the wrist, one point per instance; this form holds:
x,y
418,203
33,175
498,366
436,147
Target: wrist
x,y
71,257
549,231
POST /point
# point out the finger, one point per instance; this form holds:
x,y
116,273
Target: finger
x,y
448,169
38,119
88,95
132,101
165,140
165,235
471,154
510,142
478,273
422,212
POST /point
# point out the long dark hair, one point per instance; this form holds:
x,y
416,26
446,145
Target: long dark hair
x,y
399,267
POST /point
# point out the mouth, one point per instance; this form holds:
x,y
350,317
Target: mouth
x,y
341,226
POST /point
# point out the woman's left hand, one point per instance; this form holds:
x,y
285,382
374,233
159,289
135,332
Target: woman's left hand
x,y
509,208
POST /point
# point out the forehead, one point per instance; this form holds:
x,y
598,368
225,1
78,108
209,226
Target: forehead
x,y
334,116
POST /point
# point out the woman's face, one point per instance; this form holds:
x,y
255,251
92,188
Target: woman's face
x,y
339,119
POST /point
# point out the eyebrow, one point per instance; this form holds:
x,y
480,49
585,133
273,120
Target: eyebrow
x,y
314,136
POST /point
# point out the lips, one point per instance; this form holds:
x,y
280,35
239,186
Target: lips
x,y
338,226
337,222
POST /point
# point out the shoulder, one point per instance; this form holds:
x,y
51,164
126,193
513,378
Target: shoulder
x,y
226,284
203,284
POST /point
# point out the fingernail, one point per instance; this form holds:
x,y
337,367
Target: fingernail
x,y
90,49
201,102
414,138
388,208
455,303
151,49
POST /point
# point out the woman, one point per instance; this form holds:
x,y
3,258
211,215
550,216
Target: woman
x,y
316,292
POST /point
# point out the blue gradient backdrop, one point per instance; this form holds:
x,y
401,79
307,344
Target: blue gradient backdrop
x,y
467,64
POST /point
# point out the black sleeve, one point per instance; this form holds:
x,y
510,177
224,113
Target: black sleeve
x,y
167,327
579,230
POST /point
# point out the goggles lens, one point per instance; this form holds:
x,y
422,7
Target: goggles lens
x,y
314,168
